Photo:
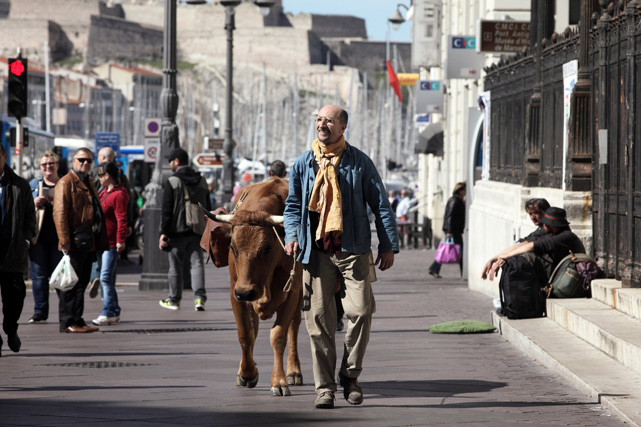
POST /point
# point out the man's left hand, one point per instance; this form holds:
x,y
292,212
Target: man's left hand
x,y
495,268
386,260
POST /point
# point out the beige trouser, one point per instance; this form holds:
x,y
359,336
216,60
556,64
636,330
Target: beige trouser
x,y
320,277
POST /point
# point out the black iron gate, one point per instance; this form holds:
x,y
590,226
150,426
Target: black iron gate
x,y
527,128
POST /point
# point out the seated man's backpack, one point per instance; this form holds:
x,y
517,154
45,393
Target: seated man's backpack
x,y
572,277
520,289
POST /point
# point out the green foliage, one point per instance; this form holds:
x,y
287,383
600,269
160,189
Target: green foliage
x,y
180,65
70,61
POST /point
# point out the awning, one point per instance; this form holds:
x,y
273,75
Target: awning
x,y
430,140
73,143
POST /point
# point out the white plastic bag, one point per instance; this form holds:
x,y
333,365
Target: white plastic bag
x,y
64,277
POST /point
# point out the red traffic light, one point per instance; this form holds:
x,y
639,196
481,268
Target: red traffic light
x,y
17,83
17,67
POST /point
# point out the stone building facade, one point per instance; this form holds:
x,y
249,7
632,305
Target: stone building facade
x,y
30,35
116,39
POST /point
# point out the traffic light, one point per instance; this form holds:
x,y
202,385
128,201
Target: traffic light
x,y
25,136
18,94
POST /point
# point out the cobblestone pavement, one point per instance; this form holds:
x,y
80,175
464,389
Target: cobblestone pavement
x,y
161,367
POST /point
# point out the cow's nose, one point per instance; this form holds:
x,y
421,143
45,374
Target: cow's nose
x,y
245,295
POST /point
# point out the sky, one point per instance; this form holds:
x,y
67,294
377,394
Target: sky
x,y
375,13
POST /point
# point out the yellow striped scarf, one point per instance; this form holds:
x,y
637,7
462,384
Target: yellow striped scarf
x,y
326,194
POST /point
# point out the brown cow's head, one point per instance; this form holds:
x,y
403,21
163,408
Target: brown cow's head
x,y
247,240
255,253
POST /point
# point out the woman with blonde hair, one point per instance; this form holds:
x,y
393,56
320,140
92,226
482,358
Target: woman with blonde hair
x,y
44,254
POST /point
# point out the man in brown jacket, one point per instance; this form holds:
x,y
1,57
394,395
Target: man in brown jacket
x,y
81,231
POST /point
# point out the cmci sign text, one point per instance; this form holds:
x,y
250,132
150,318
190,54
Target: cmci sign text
x,y
209,159
503,36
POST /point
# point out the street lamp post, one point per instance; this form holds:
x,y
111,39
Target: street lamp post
x,y
228,144
396,20
156,266
225,195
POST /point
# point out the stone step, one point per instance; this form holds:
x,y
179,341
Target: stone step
x,y
582,365
610,292
602,326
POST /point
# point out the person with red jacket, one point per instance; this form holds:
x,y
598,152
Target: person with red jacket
x,y
114,199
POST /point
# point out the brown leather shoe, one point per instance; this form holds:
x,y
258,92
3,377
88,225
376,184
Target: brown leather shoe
x,y
89,329
73,330
351,390
325,400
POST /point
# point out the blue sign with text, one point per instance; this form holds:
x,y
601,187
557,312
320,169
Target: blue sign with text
x,y
107,139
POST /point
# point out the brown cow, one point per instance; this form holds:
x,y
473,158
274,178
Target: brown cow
x,y
259,270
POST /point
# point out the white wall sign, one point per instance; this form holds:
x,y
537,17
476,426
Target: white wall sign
x,y
487,123
429,96
603,146
570,70
152,147
463,61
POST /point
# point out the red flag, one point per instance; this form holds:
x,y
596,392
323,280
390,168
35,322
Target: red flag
x,y
393,81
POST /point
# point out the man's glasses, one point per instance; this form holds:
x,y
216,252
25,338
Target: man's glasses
x,y
49,164
100,175
329,121
84,160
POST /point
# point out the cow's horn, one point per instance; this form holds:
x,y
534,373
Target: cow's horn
x,y
223,218
276,219
214,217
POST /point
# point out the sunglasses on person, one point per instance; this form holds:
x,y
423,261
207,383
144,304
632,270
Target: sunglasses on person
x,y
84,160
49,164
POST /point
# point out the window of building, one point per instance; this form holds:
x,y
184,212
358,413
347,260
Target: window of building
x,y
429,31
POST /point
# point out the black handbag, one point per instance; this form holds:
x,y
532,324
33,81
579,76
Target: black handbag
x,y
83,237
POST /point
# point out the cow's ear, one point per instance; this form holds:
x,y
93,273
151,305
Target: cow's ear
x,y
220,239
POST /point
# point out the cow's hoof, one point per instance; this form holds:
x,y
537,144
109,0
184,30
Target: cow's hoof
x,y
281,391
294,379
240,381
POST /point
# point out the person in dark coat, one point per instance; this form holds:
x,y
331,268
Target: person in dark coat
x,y
176,237
453,223
17,230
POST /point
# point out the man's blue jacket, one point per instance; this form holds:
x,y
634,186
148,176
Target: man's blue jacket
x,y
361,186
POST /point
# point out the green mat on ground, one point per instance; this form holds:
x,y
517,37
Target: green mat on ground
x,y
462,327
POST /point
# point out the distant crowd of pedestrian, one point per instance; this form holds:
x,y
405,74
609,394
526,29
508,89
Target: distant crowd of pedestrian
x,y
85,214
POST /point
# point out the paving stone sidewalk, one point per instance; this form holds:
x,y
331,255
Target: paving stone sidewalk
x,y
161,367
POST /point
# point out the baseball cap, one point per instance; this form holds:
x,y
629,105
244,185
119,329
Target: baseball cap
x,y
180,154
